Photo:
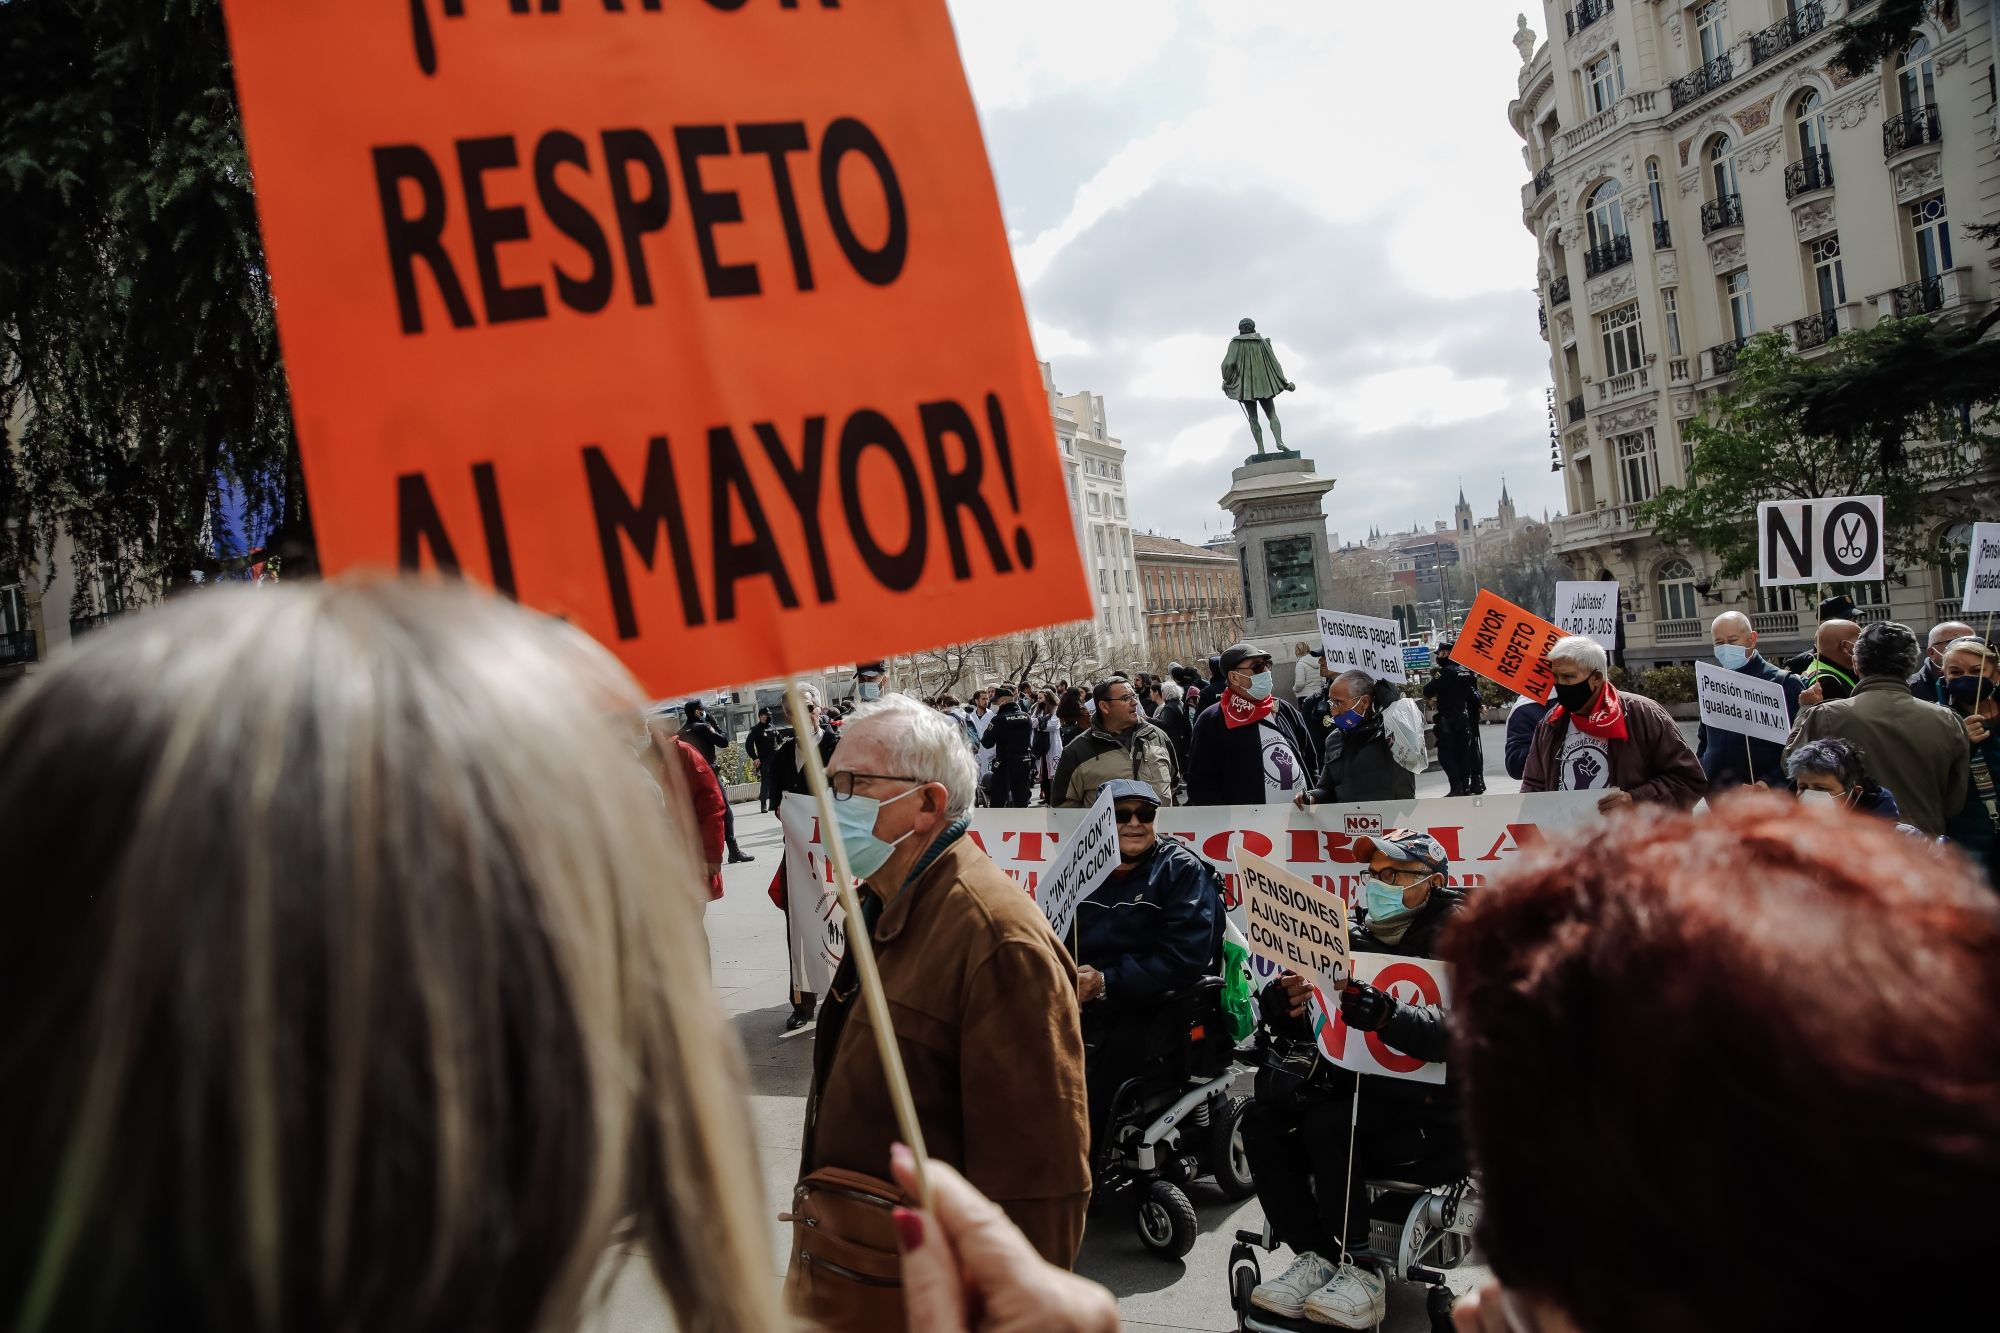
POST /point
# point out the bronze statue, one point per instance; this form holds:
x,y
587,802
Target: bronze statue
x,y
1252,376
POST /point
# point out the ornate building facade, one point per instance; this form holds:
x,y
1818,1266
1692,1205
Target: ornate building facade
x,y
1193,598
1700,173
1094,468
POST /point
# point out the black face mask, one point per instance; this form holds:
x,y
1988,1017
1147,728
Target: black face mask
x,y
1575,698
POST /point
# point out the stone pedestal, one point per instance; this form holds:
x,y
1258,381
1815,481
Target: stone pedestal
x,y
1281,552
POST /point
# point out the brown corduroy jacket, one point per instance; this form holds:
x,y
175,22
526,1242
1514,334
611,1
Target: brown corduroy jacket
x,y
983,999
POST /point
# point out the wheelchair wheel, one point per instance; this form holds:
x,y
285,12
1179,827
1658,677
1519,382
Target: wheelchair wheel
x,y
1226,1160
1242,1281
1166,1222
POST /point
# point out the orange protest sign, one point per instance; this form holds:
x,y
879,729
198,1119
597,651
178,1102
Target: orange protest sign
x,y
1507,645
693,322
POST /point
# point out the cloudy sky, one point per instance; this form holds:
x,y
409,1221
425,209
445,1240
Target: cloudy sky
x,y
1170,166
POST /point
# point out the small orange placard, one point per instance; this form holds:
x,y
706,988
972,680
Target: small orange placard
x,y
693,322
1507,645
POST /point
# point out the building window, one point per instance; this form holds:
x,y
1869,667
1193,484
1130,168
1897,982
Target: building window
x,y
1654,194
1773,600
1722,166
1811,117
1607,216
1687,447
1129,585
1736,295
13,609
1828,279
1955,551
1118,507
1932,233
1916,81
1103,580
1678,599
1117,472
1095,506
1606,79
1637,466
1670,298
1624,349
1711,36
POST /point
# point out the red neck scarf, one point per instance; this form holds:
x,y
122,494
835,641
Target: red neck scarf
x,y
1238,711
1606,721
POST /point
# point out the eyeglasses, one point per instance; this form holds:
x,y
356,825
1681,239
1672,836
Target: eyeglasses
x,y
843,781
1138,814
1120,698
1415,876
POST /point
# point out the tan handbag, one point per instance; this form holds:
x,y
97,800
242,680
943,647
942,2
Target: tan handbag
x,y
847,1272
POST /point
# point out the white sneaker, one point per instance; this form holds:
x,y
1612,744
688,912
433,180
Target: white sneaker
x,y
1286,1294
1355,1298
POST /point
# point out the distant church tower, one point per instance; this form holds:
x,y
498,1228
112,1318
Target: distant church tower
x,y
1506,508
1463,511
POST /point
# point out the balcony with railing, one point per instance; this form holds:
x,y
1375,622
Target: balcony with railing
x,y
1542,318
1925,296
1809,174
1559,291
82,625
1677,631
1663,235
1623,386
1677,370
1544,180
1693,87
1815,330
1775,622
1604,257
1584,14
1787,32
1916,128
17,647
1574,407
1722,356
1946,608
1721,214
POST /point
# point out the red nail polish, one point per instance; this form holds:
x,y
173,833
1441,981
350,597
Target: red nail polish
x,y
909,1230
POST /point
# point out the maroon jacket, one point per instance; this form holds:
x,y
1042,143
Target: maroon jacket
x,y
1653,762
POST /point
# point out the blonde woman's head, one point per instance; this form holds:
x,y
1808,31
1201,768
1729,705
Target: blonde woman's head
x,y
354,980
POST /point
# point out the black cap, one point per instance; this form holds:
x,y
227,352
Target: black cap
x,y
1837,607
1237,654
871,669
1003,688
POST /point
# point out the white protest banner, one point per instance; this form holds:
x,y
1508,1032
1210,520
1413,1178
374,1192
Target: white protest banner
x,y
818,934
1294,923
1084,862
1363,643
1732,701
1982,570
1481,835
1590,609
1410,981
1835,540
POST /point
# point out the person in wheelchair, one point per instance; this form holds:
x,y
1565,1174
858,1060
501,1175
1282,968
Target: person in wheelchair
x,y
1153,928
1296,1132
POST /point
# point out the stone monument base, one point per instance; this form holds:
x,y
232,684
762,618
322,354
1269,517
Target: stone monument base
x,y
1282,553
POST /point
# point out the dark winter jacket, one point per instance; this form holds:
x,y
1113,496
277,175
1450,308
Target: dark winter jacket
x,y
704,736
1153,928
1226,765
1177,721
1653,762
1360,766
785,770
1974,828
1094,757
1455,691
1724,756
1521,724
1010,734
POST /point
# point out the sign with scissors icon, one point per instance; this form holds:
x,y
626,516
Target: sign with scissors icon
x,y
1834,540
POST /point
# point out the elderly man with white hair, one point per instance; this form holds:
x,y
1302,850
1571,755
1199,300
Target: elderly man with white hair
x,y
1727,757
1596,739
983,994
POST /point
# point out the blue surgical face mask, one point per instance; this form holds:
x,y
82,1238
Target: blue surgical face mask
x,y
1349,720
1260,686
1384,902
854,824
870,691
1731,655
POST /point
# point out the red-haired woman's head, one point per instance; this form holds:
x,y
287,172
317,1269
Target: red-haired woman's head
x,y
1713,1066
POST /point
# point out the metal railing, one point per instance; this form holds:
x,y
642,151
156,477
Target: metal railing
x,y
1775,622
1815,330
1719,213
1542,317
1616,387
1912,129
1722,356
1671,631
1663,235
1575,408
1559,291
1868,615
1545,178
1809,173
1584,14
1607,256
1922,297
1786,32
17,647
81,625
1946,608
1707,79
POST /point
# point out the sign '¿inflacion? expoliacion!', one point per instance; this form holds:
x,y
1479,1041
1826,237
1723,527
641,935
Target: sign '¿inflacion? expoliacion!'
x,y
693,323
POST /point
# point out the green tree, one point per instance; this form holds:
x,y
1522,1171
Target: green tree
x,y
138,355
1761,447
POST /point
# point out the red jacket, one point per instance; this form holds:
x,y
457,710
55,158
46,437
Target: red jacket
x,y
708,808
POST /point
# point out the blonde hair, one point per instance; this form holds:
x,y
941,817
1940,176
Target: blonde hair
x,y
354,980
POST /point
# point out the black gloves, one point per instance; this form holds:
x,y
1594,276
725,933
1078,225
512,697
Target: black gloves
x,y
1364,1008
